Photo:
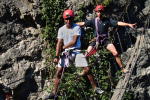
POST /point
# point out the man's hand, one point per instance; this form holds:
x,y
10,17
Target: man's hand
x,y
56,59
127,24
132,25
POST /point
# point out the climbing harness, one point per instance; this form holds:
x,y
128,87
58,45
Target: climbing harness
x,y
100,38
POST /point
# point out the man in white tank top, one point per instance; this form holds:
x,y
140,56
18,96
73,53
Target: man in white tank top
x,y
69,39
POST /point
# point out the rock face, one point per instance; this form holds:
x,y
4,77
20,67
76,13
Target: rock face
x,y
139,82
21,48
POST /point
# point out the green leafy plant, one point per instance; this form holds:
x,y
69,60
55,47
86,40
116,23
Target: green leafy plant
x,y
106,2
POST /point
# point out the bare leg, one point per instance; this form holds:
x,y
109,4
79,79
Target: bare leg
x,y
113,50
53,94
90,77
85,71
90,51
89,48
57,79
93,83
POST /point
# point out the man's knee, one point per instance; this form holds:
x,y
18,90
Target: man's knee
x,y
86,70
112,49
59,72
115,54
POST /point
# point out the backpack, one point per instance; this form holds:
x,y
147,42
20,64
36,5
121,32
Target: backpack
x,y
84,43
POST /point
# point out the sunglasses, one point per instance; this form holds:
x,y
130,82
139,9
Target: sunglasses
x,y
99,11
69,18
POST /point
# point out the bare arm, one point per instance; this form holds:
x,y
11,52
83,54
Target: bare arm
x,y
58,50
126,24
80,23
71,43
59,46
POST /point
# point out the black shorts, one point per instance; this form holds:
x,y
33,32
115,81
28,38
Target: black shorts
x,y
104,43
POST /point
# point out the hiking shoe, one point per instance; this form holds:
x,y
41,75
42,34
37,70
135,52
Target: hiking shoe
x,y
98,90
50,96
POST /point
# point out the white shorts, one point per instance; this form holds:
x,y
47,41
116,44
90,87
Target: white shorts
x,y
76,58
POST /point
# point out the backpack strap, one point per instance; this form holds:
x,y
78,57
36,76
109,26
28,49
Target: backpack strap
x,y
96,27
97,35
